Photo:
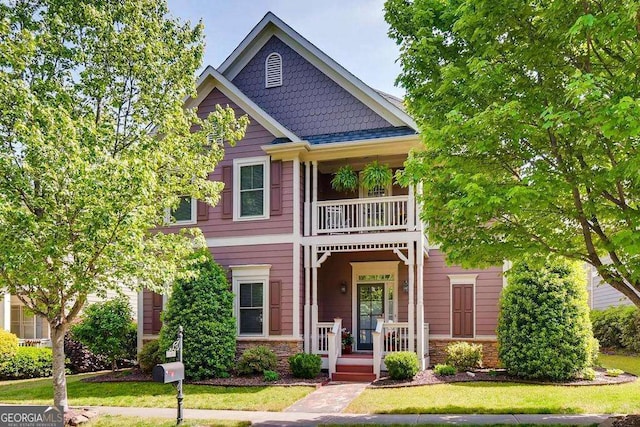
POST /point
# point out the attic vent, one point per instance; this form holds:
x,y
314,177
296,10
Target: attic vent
x,y
273,70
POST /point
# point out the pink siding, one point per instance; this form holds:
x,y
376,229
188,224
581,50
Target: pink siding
x,y
255,137
437,304
280,258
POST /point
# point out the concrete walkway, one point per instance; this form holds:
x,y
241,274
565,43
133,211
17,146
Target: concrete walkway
x,y
313,419
332,398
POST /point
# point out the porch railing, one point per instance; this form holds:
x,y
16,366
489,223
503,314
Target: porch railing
x,y
365,214
322,332
31,342
391,337
335,345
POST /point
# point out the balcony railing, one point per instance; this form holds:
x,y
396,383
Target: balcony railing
x,y
364,215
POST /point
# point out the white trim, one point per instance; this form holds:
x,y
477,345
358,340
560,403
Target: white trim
x,y
273,77
373,267
506,266
266,186
272,25
296,248
211,79
260,239
462,279
140,320
192,221
6,312
251,273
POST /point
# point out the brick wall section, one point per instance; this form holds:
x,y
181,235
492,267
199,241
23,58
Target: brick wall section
x,y
308,102
489,351
282,349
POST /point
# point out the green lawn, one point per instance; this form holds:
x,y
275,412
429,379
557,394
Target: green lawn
x,y
147,394
629,364
504,398
119,421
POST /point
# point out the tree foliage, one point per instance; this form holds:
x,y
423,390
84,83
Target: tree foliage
x,y
108,330
94,146
530,114
544,330
203,306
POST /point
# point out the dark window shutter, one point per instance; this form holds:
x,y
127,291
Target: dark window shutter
x,y
227,192
276,188
462,311
275,317
156,323
203,211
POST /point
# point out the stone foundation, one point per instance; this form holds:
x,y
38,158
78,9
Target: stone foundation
x,y
489,351
282,349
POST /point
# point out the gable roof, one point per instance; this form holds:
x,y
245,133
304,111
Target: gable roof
x,y
271,25
211,79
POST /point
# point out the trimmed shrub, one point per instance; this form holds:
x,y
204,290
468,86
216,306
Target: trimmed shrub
x,y
464,356
270,376
80,359
256,360
8,343
27,362
441,369
544,329
588,374
108,330
613,372
617,328
203,306
304,365
402,365
150,356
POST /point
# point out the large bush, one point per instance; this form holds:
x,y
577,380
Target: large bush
x,y
108,330
256,360
80,359
464,356
304,365
617,328
27,362
8,343
150,356
204,307
402,365
544,329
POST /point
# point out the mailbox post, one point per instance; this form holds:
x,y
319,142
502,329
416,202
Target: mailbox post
x,y
173,372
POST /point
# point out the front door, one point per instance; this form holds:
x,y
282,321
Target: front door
x,y
370,308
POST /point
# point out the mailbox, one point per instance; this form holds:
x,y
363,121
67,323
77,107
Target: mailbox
x,y
168,372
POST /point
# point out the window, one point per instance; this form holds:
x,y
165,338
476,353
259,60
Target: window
x,y
463,318
251,180
26,325
273,70
185,213
250,287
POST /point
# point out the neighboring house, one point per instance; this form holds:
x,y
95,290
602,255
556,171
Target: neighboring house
x,y
34,330
601,294
304,260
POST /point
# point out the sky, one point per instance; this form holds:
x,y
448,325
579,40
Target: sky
x,y
352,32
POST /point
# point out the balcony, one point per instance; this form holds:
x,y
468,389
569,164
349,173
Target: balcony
x,y
376,214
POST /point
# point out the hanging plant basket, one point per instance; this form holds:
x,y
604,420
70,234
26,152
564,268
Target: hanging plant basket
x,y
345,179
376,176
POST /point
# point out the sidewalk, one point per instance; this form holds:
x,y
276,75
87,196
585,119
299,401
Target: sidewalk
x,y
313,419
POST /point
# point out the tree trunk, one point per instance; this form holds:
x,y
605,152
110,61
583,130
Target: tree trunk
x,y
59,378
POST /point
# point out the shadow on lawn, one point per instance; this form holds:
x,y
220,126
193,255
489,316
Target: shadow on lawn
x,y
87,389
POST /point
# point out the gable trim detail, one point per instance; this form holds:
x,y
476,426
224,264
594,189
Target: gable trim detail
x,y
270,26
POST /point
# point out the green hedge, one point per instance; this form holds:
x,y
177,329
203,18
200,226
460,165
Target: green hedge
x,y
305,365
256,360
617,328
464,356
8,343
27,362
402,365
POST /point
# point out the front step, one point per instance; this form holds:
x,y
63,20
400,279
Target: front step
x,y
353,373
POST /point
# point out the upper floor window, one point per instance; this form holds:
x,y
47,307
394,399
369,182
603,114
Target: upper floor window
x,y
251,181
184,213
273,70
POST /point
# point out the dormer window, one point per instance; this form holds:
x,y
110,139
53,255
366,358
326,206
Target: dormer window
x,y
273,70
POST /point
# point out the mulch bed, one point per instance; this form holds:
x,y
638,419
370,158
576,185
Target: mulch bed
x,y
286,379
428,377
626,421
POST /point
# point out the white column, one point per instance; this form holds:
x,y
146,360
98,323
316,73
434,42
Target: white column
x,y
296,248
411,210
140,319
307,299
314,301
420,302
6,312
307,198
411,309
314,200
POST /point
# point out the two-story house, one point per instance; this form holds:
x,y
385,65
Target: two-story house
x,y
303,259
